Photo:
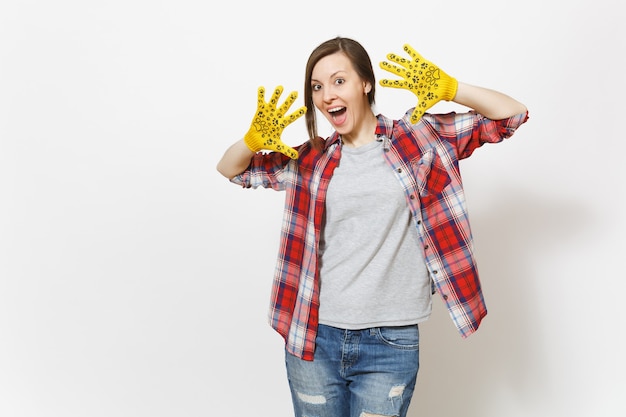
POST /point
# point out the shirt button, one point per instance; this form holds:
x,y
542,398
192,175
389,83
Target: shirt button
x,y
399,169
419,222
445,297
412,197
426,246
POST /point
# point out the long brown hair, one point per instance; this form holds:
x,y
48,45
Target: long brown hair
x,y
361,62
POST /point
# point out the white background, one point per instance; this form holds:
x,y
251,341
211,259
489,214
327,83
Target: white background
x,y
134,280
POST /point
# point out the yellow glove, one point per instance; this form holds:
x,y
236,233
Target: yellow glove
x,y
429,83
269,122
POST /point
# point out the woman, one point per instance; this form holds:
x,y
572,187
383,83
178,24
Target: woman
x,y
375,222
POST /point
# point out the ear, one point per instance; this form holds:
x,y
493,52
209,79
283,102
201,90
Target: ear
x,y
367,87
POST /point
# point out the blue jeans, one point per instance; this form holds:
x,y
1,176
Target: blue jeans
x,y
356,372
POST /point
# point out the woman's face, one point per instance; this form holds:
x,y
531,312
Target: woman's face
x,y
339,93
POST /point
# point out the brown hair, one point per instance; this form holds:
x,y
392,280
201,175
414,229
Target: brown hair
x,y
359,58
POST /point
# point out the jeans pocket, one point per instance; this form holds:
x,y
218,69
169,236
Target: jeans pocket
x,y
401,337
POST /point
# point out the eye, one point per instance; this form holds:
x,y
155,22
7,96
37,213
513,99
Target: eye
x,y
340,81
316,87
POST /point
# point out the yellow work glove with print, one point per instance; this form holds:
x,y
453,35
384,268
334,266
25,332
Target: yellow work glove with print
x,y
269,122
426,80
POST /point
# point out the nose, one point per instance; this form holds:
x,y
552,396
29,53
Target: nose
x,y
329,94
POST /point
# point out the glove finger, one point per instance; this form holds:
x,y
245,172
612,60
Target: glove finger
x,y
412,52
295,115
398,60
288,102
421,108
286,150
261,95
276,95
394,69
416,115
394,83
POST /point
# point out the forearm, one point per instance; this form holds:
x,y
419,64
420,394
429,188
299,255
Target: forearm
x,y
489,103
235,160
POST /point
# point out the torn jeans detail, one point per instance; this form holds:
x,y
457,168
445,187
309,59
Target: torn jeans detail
x,y
355,373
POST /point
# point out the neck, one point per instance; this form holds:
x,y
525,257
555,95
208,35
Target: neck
x,y
365,134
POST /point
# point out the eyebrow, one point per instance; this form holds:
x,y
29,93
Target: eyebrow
x,y
334,74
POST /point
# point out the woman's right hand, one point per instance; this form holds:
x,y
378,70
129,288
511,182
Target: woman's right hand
x,y
269,122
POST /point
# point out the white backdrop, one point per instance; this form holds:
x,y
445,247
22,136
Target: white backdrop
x,y
134,280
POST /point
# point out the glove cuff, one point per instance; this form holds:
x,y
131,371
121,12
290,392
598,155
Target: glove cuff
x,y
447,89
252,142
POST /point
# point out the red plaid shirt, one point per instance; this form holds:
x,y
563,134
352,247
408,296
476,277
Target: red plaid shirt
x,y
425,159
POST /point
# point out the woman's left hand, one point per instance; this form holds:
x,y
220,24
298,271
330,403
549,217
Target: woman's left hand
x,y
423,78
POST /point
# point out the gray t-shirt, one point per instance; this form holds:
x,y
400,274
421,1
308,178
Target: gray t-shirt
x,y
372,267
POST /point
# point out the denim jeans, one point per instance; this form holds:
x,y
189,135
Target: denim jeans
x,y
356,373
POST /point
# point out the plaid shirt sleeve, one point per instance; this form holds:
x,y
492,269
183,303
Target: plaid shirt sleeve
x,y
468,131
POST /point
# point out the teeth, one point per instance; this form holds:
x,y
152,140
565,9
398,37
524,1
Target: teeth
x,y
334,109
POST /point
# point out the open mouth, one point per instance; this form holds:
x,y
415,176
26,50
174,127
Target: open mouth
x,y
337,112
